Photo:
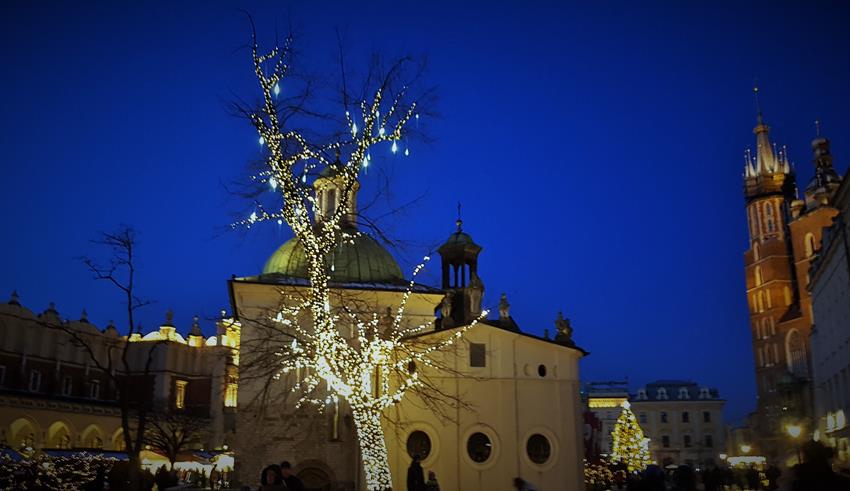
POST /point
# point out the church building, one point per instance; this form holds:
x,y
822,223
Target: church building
x,y
784,234
510,405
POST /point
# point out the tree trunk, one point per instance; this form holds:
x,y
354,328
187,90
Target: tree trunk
x,y
373,450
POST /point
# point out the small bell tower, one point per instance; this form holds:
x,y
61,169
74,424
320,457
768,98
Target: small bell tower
x,y
464,289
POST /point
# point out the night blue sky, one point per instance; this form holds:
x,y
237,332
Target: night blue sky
x,y
597,150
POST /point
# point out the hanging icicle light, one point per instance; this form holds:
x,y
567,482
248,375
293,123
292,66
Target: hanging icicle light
x,y
406,152
253,216
279,221
394,148
273,183
381,131
353,128
304,177
262,141
277,89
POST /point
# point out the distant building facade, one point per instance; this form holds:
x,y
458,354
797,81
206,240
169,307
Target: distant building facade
x,y
784,233
605,401
830,293
683,420
53,396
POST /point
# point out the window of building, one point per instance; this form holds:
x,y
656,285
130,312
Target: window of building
x,y
478,447
94,389
704,393
230,394
775,353
709,441
683,393
665,441
767,297
663,416
772,326
768,211
643,418
706,416
756,251
796,352
786,292
761,301
538,448
687,441
95,442
641,394
180,394
541,370
686,417
809,244
760,355
759,277
419,443
67,385
35,381
477,355
662,393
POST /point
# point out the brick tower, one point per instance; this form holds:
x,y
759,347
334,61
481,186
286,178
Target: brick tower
x,y
784,235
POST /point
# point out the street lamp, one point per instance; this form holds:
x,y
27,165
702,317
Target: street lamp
x,y
794,431
746,448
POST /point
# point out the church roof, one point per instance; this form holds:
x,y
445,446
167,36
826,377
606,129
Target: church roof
x,y
360,260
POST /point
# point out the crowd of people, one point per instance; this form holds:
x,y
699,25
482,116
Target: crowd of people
x,y
279,478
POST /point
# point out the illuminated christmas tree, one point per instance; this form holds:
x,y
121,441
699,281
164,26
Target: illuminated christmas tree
x,y
630,448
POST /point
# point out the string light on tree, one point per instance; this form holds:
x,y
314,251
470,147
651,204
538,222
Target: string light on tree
x,y
379,351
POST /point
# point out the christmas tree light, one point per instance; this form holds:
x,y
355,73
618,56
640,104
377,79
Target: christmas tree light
x,y
630,447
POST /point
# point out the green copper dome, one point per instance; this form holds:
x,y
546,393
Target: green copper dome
x,y
363,261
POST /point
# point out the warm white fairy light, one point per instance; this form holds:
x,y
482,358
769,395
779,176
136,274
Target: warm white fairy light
x,y
322,359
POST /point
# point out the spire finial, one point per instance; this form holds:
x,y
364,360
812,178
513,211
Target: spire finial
x,y
758,104
817,128
15,300
169,317
459,222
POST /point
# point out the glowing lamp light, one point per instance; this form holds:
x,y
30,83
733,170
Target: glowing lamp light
x,y
382,131
394,148
406,152
746,448
276,89
794,430
723,456
273,183
262,141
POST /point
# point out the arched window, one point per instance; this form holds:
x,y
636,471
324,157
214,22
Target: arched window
x,y
761,302
772,326
809,244
795,353
767,297
786,292
754,225
760,356
775,353
768,213
759,277
756,251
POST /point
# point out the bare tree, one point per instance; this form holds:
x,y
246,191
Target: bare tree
x,y
171,432
125,363
368,358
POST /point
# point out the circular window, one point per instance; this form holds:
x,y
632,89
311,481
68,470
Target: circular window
x,y
538,448
479,447
418,443
541,370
